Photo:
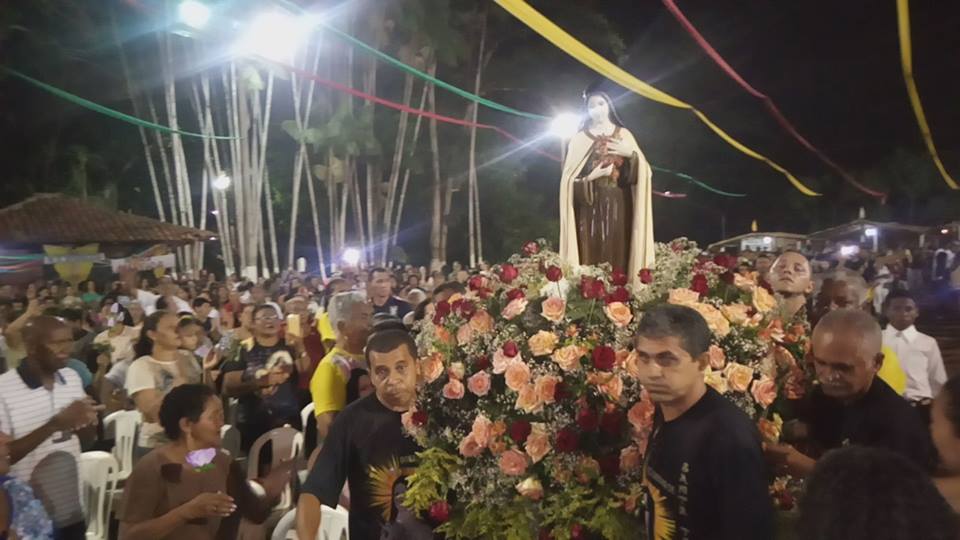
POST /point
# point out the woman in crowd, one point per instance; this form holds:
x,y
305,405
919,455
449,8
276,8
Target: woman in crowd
x,y
945,429
137,313
22,515
89,295
160,367
187,488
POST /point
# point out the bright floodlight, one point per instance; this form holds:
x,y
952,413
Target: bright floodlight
x,y
351,256
565,125
221,182
870,231
274,35
944,231
768,240
194,14
847,251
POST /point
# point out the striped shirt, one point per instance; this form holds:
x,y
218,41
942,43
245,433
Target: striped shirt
x,y
25,406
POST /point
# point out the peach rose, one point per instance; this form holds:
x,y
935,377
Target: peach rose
x,y
618,313
609,384
453,389
498,428
546,386
718,324
553,309
479,383
641,414
465,334
542,343
538,443
736,313
406,420
528,400
481,429
497,447
764,390
456,371
481,323
531,488
513,463
444,336
784,357
469,447
738,376
514,308
630,459
744,283
718,358
715,380
763,300
632,364
683,297
431,367
568,358
794,387
502,361
517,375
770,430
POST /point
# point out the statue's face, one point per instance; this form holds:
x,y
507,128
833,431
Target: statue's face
x,y
598,109
790,274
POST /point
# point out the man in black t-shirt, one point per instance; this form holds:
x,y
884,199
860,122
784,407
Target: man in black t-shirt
x,y
366,446
380,292
704,474
852,405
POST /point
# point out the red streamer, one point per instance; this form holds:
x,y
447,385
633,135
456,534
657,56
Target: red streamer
x,y
767,102
438,117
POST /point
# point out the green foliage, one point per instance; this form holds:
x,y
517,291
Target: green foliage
x,y
429,483
513,521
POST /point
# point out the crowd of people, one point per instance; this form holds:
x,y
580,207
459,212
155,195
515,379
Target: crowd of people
x,y
878,440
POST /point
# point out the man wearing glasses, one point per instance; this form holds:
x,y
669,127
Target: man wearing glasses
x,y
264,378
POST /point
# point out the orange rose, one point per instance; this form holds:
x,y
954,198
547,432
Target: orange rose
x,y
763,300
744,283
683,297
453,389
770,430
481,429
431,367
538,443
718,324
513,463
517,375
618,313
498,428
481,323
630,458
784,357
738,376
717,357
609,384
641,414
764,391
568,358
514,308
497,447
469,447
554,309
736,313
465,334
531,488
632,364
542,343
528,400
443,335
546,387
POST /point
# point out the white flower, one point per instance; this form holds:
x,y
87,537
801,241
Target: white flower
x,y
558,289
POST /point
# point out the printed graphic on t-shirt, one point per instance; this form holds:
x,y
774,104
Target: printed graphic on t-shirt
x,y
382,482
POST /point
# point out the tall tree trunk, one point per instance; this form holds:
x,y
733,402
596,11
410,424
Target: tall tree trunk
x,y
406,172
184,198
302,119
472,191
436,223
395,167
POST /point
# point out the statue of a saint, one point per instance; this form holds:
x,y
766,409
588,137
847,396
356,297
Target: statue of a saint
x,y
606,212
792,281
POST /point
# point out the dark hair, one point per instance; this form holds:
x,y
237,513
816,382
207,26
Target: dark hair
x,y
389,340
262,307
864,493
671,320
187,320
353,385
376,269
895,294
451,286
72,314
184,401
385,321
144,345
199,301
161,304
612,110
951,398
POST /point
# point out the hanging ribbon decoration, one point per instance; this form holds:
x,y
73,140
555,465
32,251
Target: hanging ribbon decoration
x,y
428,114
567,43
906,60
767,102
696,182
96,107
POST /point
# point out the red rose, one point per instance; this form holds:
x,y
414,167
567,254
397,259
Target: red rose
x,y
576,532
604,358
531,248
592,288
510,349
515,294
419,418
567,440
545,534
476,283
609,465
587,419
727,277
561,391
508,273
467,309
699,284
618,278
611,422
481,362
442,309
724,260
646,276
519,431
618,295
554,273
440,511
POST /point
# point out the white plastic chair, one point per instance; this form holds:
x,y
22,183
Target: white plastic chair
x,y
230,440
286,443
334,523
125,424
305,414
98,479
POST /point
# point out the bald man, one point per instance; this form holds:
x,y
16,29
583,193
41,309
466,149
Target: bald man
x,y
852,405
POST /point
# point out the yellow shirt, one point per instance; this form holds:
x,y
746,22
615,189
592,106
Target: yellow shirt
x,y
326,329
891,372
328,387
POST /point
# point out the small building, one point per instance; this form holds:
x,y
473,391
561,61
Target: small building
x,y
760,241
877,235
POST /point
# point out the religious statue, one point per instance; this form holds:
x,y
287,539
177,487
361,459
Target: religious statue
x,y
792,281
606,212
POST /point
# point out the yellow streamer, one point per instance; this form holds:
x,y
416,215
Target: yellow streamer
x,y
567,43
906,60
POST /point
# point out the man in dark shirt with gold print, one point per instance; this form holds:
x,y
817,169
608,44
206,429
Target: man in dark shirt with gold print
x,y
704,474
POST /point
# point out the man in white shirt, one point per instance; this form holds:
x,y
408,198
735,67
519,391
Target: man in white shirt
x,y
919,353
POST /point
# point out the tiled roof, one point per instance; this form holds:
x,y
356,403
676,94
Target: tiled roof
x,y
53,218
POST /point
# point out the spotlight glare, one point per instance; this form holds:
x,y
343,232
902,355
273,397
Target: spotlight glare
x,y
275,35
194,14
221,182
351,256
565,125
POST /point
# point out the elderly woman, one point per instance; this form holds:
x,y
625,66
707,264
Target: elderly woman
x,y
351,318
188,489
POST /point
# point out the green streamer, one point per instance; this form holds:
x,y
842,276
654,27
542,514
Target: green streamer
x,y
77,100
693,180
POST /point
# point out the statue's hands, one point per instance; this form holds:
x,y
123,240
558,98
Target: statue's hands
x,y
600,171
618,147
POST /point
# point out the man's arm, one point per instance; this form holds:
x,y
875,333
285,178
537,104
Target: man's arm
x,y
79,414
308,516
937,372
324,421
